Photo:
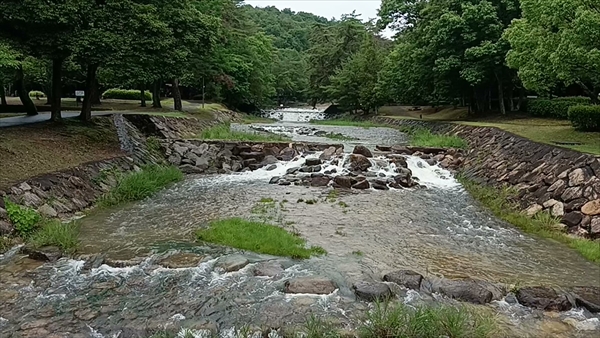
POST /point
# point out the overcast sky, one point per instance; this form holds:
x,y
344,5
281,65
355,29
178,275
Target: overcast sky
x,y
325,8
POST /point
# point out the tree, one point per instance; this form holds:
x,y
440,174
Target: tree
x,y
355,85
557,41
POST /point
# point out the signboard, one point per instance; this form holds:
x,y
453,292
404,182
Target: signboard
x,y
80,93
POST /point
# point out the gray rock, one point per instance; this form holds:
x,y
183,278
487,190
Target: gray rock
x,y
180,149
236,166
48,211
407,278
543,298
232,263
559,185
201,149
511,298
587,297
284,182
322,181
268,269
192,157
182,260
383,148
274,180
202,162
343,181
533,209
359,162
45,254
270,159
287,154
550,203
175,159
467,290
572,219
271,167
291,171
190,169
362,185
558,209
327,154
571,193
578,177
6,228
310,285
362,150
31,200
257,155
379,186
24,186
372,291
313,162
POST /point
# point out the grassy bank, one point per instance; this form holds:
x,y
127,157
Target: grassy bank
x,y
224,132
56,233
138,185
258,237
422,137
497,200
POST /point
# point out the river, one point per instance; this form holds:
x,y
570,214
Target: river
x,y
437,231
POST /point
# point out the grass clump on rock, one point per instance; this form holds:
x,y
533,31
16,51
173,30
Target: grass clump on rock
x,y
224,132
399,320
58,234
141,184
498,201
258,237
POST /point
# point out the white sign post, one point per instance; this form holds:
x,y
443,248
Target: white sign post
x,y
79,94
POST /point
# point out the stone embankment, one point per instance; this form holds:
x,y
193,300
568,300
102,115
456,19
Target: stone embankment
x,y
563,182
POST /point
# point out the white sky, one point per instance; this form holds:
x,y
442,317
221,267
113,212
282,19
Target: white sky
x,y
326,8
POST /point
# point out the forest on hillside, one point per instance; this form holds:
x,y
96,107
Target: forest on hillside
x,y
485,54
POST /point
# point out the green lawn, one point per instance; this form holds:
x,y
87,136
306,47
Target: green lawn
x,y
258,237
558,133
224,132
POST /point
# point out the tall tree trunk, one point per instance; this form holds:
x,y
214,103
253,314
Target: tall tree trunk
x,y
30,107
500,94
90,79
489,107
521,98
177,105
156,95
143,95
592,93
55,105
3,94
96,93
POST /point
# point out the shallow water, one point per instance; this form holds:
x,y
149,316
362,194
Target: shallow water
x,y
439,231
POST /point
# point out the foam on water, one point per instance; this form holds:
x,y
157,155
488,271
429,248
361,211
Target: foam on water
x,y
295,114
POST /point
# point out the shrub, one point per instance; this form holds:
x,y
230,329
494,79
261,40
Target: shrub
x,y
24,219
586,118
577,99
56,233
139,185
125,94
422,137
557,108
36,93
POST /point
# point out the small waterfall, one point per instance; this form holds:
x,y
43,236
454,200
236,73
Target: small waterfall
x,y
123,130
295,114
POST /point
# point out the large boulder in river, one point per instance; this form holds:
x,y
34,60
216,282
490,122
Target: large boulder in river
x,y
44,254
372,291
362,150
287,154
359,162
327,154
232,263
268,269
362,185
312,162
343,181
182,260
310,285
587,297
543,298
466,290
407,278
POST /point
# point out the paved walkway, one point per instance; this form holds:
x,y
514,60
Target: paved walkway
x,y
21,120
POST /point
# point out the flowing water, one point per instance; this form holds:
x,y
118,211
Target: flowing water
x,y
438,231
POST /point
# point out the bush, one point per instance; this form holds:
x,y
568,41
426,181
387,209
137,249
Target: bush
x,y
36,93
586,118
24,219
139,185
557,108
422,137
125,94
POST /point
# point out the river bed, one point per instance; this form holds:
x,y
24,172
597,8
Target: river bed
x,y
439,230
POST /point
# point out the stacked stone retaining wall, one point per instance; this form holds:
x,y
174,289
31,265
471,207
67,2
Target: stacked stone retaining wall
x,y
564,182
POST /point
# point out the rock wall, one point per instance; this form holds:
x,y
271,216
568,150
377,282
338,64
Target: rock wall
x,y
563,182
